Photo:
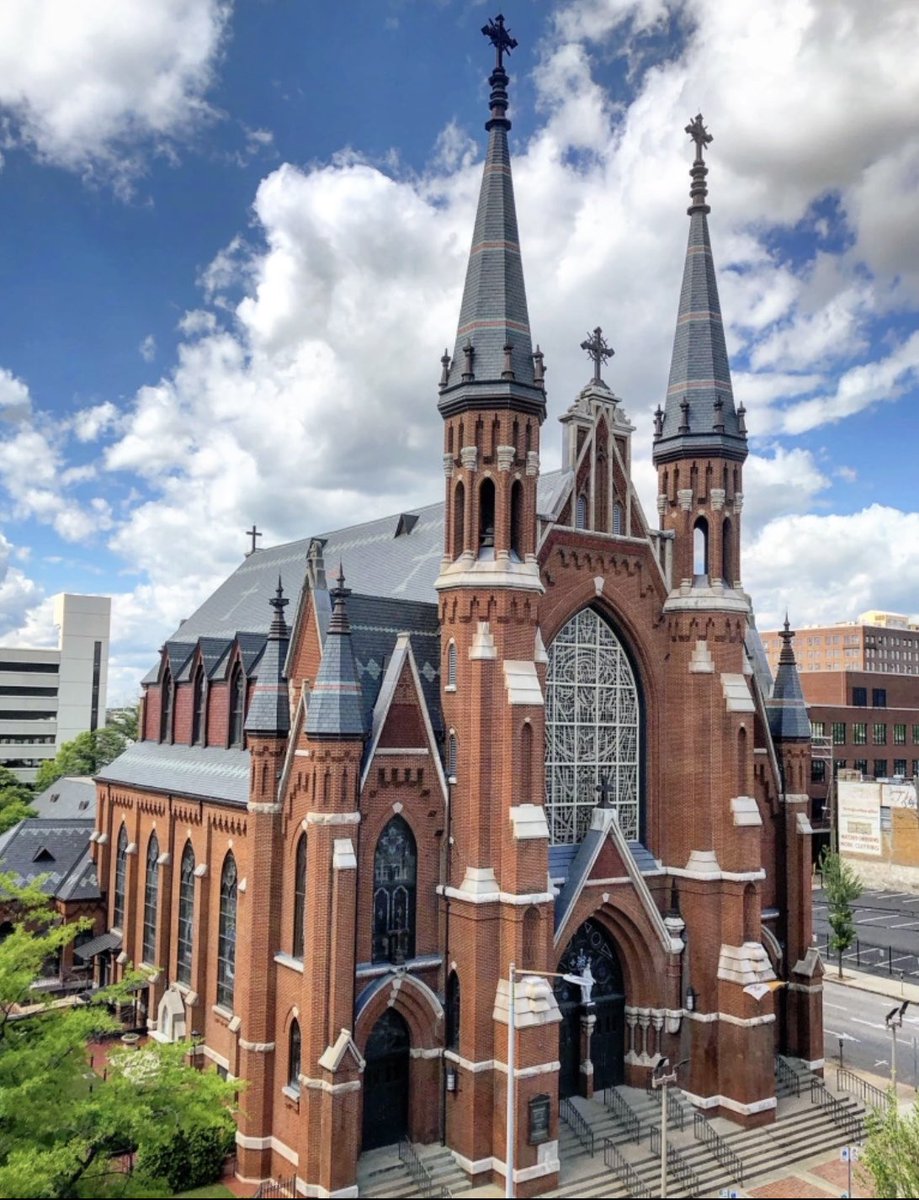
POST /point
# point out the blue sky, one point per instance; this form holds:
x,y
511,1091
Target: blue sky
x,y
234,239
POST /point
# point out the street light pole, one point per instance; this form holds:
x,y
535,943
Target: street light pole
x,y
663,1081
894,1021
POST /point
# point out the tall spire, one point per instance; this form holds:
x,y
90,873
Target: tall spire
x,y
335,706
269,708
787,710
492,360
699,415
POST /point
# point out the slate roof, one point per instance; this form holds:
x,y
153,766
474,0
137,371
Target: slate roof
x,y
335,706
787,710
57,849
70,797
269,706
699,369
205,772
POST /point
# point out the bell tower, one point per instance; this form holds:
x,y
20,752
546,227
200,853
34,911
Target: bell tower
x,y
700,439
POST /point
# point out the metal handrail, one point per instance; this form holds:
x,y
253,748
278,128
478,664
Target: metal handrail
x,y
276,1189
622,1112
581,1129
421,1176
840,1114
848,1081
785,1073
728,1158
626,1174
677,1166
676,1110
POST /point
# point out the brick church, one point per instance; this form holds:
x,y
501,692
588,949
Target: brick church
x,y
521,726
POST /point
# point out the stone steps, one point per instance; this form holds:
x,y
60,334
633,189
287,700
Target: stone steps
x,y
381,1175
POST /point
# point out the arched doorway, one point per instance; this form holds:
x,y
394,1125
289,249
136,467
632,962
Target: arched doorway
x,y
386,1082
591,944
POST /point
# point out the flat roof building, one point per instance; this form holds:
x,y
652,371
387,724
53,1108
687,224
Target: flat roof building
x,y
876,641
47,695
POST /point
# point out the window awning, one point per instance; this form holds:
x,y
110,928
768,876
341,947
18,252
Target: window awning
x,y
98,945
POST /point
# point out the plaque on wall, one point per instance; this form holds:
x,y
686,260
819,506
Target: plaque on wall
x,y
538,1128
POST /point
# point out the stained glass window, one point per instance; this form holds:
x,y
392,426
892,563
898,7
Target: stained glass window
x,y
395,866
592,729
151,895
186,915
299,897
237,707
226,934
293,1057
121,869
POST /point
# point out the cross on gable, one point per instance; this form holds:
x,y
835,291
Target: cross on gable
x,y
598,350
500,38
699,134
604,791
252,533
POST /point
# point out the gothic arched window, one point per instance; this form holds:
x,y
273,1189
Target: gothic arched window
x,y
299,897
199,700
151,895
459,519
700,547
395,867
237,706
167,693
617,519
451,665
593,723
226,934
121,871
293,1057
186,930
727,565
517,546
452,1011
451,754
486,518
580,519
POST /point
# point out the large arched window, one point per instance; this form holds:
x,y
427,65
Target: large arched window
x,y
459,519
167,692
486,518
299,897
395,867
727,561
237,706
121,872
151,895
186,931
293,1057
700,547
226,934
517,546
199,700
452,1011
592,728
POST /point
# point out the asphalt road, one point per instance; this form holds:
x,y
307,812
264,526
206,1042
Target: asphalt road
x,y
858,1018
887,928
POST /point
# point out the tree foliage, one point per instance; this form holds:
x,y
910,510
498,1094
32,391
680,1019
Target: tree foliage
x,y
63,1129
891,1150
15,800
86,754
842,887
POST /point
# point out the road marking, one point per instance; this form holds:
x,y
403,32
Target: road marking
x,y
868,920
842,1007
882,1062
912,900
870,1024
906,925
846,1037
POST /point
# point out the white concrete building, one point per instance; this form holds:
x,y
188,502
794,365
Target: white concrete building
x,y
48,696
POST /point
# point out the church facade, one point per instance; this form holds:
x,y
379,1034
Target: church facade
x,y
534,736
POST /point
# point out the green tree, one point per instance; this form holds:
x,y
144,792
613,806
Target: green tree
x,y
15,800
842,887
125,721
86,754
891,1151
62,1128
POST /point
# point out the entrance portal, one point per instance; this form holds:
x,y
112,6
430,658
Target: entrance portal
x,y
591,944
386,1082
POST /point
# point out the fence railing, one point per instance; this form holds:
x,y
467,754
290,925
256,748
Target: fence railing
x,y
421,1176
677,1166
622,1112
848,1081
716,1144
676,1110
631,1181
579,1126
840,1114
787,1075
276,1189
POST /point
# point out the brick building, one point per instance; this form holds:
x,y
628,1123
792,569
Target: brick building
x,y
532,730
877,641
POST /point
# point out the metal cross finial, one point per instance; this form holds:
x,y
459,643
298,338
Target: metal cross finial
x,y
604,790
253,533
500,38
699,134
597,349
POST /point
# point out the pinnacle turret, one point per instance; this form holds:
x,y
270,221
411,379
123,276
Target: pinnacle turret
x,y
699,415
493,362
787,710
269,708
335,705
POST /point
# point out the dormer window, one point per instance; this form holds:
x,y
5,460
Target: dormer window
x,y
167,693
237,705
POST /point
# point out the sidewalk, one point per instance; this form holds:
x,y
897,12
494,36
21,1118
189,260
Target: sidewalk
x,y
880,985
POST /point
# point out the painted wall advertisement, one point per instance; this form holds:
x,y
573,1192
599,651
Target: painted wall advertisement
x,y
860,819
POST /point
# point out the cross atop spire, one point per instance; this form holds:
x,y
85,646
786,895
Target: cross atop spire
x,y
500,38
698,191
699,134
598,350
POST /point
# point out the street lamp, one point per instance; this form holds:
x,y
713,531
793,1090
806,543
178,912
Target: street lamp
x,y
662,1078
894,1021
585,982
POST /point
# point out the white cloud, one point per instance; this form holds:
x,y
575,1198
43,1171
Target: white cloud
x,y
147,348
15,401
92,87
90,423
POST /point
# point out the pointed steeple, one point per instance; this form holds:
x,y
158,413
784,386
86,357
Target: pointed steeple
x,y
269,708
699,415
787,710
335,707
492,361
